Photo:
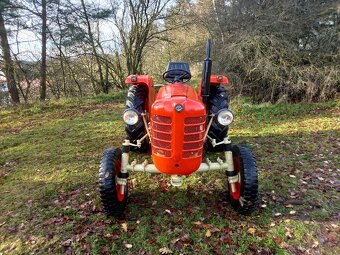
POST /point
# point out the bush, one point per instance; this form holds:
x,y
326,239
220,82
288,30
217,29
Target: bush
x,y
271,69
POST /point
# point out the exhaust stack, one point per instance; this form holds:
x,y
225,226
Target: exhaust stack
x,y
206,74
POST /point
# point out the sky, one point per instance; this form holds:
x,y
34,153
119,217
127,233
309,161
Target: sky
x,y
28,43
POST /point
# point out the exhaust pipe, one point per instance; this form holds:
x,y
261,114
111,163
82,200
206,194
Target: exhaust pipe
x,y
206,74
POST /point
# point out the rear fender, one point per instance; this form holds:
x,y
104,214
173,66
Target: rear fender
x,y
215,80
143,80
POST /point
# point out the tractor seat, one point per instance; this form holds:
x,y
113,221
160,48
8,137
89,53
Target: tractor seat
x,y
177,72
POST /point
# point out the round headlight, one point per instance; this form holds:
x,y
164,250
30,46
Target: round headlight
x,y
225,117
130,117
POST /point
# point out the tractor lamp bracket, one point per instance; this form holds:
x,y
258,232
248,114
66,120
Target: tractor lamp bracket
x,y
208,127
139,142
146,125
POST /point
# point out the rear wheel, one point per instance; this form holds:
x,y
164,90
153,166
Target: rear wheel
x,y
245,197
218,100
136,99
113,200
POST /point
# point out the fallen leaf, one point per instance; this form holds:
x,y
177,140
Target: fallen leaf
x,y
278,214
124,227
292,212
288,234
253,248
277,240
165,250
251,230
66,242
213,230
208,233
127,245
168,211
197,223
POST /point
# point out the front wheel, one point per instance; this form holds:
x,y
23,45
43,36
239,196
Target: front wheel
x,y
113,200
245,197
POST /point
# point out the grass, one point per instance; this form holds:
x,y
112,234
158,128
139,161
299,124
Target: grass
x,y
49,157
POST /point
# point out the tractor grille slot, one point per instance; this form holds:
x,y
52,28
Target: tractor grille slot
x,y
161,144
192,154
162,153
161,135
161,119
194,129
192,146
195,120
193,137
161,128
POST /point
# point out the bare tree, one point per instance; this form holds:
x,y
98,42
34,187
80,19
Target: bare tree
x,y
138,23
8,63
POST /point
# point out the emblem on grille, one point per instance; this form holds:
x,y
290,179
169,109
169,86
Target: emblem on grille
x,y
179,107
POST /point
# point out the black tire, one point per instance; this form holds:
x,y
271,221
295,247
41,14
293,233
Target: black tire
x,y
244,162
136,100
218,100
113,206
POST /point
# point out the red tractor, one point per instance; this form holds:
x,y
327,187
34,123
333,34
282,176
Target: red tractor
x,y
178,124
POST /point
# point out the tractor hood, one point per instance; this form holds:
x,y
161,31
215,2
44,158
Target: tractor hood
x,y
177,89
177,122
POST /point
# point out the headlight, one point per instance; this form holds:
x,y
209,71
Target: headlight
x,y
130,117
225,117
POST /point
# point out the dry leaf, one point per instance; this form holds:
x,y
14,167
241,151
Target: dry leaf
x,y
67,242
213,230
288,235
127,245
251,230
124,227
165,250
292,212
168,211
208,233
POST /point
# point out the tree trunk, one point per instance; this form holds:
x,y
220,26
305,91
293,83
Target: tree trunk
x,y
43,52
93,46
9,69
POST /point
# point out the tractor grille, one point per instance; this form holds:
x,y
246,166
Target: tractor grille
x,y
194,129
161,135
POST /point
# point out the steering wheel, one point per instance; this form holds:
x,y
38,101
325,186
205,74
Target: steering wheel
x,y
177,77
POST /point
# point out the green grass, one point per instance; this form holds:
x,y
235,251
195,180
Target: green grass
x,y
49,157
